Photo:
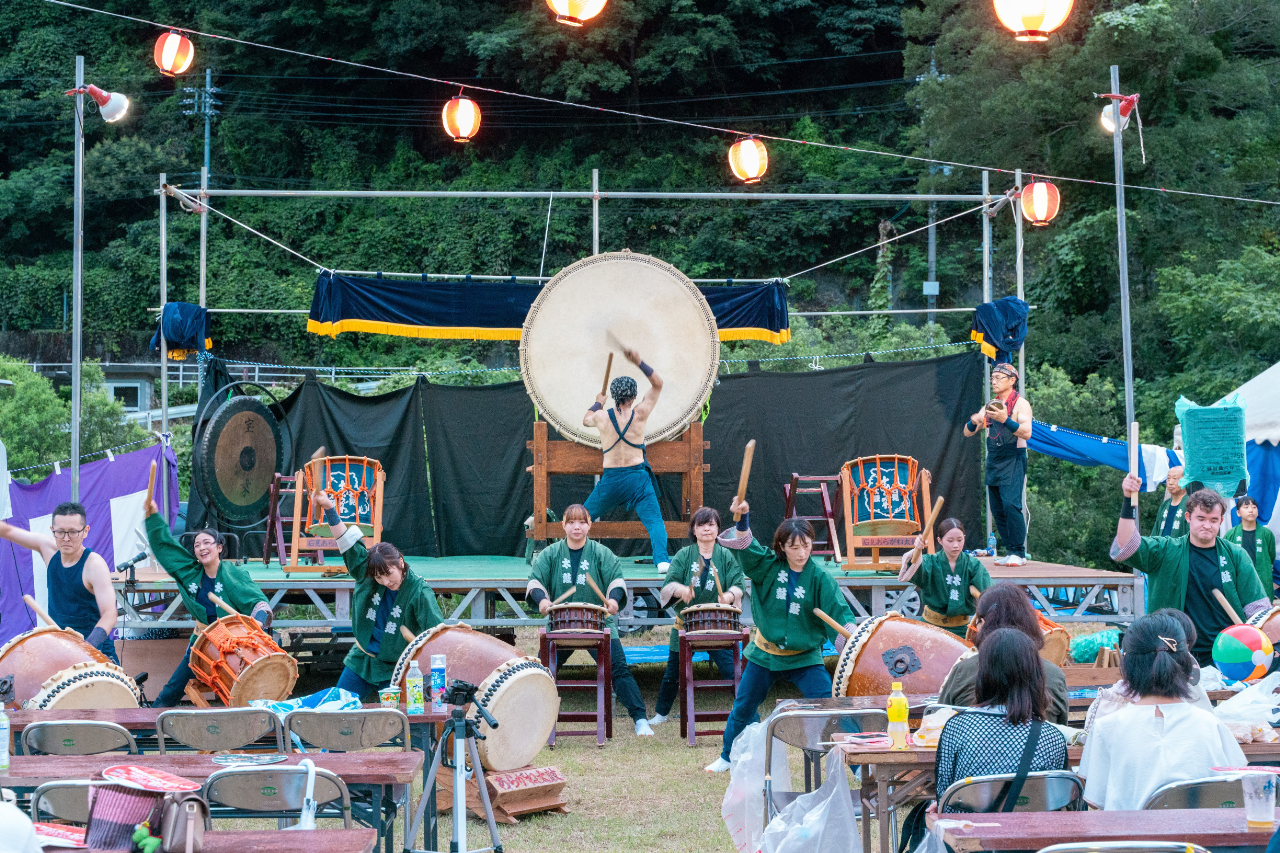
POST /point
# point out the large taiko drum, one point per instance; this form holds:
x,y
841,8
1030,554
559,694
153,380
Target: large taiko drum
x,y
883,495
1268,622
601,304
239,662
893,648
518,690
56,668
1057,642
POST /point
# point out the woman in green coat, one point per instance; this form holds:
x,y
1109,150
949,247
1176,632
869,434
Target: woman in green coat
x,y
387,595
702,573
946,579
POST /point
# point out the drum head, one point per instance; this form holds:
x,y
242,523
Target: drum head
x,y
237,458
525,703
605,302
271,678
87,685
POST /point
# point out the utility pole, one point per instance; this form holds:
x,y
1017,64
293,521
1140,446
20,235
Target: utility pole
x,y
203,103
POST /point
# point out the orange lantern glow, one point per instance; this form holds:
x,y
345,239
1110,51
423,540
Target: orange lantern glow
x,y
574,13
461,118
1033,20
748,158
174,53
1040,202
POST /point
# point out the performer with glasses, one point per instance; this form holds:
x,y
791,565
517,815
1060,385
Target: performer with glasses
x,y
79,580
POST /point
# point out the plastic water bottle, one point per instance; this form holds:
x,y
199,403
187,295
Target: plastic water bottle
x,y
991,544
898,711
437,684
413,684
4,743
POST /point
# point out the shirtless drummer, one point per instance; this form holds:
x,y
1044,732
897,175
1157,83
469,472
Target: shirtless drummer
x,y
628,480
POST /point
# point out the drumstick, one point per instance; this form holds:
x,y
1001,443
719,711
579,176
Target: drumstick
x,y
592,584
975,592
716,575
408,635
840,629
1222,599
39,611
220,603
746,473
608,367
937,506
151,488
1134,447
568,592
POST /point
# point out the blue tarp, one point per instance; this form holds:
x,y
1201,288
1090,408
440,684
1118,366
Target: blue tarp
x,y
496,310
1090,450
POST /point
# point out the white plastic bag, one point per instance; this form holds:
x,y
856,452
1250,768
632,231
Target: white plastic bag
x,y
822,821
743,804
1249,713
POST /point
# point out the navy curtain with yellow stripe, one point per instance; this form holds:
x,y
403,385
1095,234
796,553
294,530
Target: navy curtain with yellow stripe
x,y
495,311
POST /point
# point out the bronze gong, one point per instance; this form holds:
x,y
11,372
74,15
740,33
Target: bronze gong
x,y
238,455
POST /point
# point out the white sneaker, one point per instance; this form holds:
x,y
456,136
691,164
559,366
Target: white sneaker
x,y
1003,561
1015,560
656,719
662,568
717,766
642,728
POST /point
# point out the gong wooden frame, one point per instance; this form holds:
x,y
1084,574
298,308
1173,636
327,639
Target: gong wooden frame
x,y
682,455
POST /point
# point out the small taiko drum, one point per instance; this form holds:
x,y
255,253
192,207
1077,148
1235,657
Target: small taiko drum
x,y
893,648
236,659
518,690
56,668
712,619
1057,643
577,617
883,498
1268,622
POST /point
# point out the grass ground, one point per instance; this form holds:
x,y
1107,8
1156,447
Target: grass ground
x,y
634,795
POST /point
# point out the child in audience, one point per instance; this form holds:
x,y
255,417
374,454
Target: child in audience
x,y
1160,738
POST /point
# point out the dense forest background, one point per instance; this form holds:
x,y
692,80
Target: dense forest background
x,y
930,78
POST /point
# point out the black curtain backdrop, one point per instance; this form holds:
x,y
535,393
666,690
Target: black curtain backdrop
x,y
387,427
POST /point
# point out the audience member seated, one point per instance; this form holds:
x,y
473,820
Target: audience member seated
x,y
16,830
1161,737
1009,697
1005,605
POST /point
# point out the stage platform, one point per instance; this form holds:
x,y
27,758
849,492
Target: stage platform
x,y
490,591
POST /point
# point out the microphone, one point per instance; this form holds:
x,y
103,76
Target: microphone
x,y
131,562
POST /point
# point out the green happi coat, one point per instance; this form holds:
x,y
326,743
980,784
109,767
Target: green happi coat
x,y
1180,527
1263,556
415,608
946,590
686,568
1165,561
793,627
553,573
232,583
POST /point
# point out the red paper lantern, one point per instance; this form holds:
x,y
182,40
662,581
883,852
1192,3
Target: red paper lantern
x,y
1040,202
461,118
174,53
1033,20
749,159
574,12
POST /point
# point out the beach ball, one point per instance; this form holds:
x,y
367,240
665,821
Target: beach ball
x,y
1242,653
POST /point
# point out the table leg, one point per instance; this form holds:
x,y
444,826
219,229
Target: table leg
x,y
883,815
865,792
423,736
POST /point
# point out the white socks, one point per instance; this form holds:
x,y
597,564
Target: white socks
x,y
642,728
717,766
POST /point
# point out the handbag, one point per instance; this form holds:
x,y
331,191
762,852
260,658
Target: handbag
x,y
182,820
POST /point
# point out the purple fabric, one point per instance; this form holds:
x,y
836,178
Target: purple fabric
x,y
99,482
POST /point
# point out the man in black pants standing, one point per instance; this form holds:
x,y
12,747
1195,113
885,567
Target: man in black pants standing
x,y
1007,419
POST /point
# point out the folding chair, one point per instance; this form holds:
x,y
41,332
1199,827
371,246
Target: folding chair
x,y
1044,791
354,731
274,791
76,737
67,800
1212,792
1123,847
215,730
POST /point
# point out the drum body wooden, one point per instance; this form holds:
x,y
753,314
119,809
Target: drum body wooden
x,y
1268,622
236,659
518,691
884,496
1057,642
601,304
56,668
355,485
712,618
577,617
893,648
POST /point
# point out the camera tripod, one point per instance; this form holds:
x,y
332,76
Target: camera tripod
x,y
465,732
